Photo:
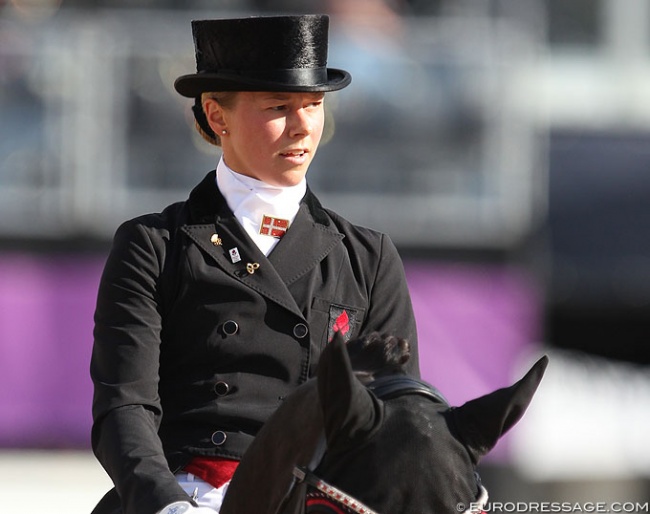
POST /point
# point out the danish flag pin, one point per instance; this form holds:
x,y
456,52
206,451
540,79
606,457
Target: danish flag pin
x,y
274,227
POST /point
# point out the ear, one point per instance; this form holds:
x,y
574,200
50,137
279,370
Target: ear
x,y
214,114
350,411
482,421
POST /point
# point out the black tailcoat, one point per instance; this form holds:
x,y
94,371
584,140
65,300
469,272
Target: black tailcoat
x,y
192,352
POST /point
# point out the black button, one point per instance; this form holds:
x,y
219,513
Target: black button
x,y
221,388
300,330
230,327
218,438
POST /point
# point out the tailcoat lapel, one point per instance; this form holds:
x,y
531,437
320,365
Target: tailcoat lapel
x,y
306,243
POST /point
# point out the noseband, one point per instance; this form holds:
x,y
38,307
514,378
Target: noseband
x,y
327,499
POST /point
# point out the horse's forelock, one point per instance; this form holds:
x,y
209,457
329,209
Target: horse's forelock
x,y
379,354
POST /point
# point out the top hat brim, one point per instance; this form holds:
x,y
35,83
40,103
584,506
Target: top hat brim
x,y
194,85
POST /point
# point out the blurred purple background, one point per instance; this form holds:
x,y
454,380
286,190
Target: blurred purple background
x,y
475,322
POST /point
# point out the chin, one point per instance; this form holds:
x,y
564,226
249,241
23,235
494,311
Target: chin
x,y
291,178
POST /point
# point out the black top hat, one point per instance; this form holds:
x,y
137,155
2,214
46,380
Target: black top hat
x,y
274,53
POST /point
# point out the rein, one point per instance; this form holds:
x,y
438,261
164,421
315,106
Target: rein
x,y
393,386
383,388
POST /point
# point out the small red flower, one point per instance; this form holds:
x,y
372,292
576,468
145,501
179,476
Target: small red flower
x,y
342,323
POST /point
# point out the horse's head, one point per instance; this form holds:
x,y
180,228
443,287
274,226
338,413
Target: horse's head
x,y
393,445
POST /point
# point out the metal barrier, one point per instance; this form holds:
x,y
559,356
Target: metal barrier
x,y
430,143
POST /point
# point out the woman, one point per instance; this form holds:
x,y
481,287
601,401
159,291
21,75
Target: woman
x,y
212,311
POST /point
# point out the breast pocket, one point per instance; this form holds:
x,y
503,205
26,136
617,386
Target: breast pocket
x,y
346,319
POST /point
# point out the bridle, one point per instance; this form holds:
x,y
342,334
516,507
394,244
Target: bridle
x,y
332,500
327,491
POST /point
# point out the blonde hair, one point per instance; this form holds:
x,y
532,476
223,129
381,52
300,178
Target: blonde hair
x,y
224,98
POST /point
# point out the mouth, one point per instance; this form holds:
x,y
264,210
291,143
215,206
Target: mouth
x,y
298,153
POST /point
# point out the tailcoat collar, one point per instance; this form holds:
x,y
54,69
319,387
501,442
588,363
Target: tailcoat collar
x,y
206,201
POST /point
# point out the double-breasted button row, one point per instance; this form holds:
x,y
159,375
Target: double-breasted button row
x,y
231,327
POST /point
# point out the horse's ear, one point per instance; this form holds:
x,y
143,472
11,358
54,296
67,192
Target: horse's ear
x,y
482,421
349,410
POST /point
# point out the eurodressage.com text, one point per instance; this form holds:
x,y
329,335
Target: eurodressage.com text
x,y
574,507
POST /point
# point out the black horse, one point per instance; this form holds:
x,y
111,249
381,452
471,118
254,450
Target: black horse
x,y
374,441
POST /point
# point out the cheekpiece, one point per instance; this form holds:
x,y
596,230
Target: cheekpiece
x,y
263,53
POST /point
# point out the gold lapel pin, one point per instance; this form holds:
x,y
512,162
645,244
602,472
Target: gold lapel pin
x,y
215,240
251,267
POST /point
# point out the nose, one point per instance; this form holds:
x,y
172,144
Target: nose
x,y
301,123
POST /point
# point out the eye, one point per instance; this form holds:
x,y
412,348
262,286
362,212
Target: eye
x,y
278,108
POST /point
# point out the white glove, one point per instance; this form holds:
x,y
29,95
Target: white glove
x,y
185,508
